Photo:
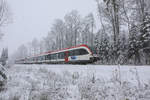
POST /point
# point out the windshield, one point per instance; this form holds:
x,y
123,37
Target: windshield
x,y
93,49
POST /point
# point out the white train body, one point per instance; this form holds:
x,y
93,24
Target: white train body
x,y
81,54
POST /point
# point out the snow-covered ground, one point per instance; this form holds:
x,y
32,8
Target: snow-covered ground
x,y
77,82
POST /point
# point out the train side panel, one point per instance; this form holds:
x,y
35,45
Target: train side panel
x,y
80,54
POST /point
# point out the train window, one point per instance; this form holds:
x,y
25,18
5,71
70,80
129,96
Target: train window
x,y
35,58
57,56
77,52
32,59
93,49
39,58
48,57
42,57
29,59
54,56
71,53
61,55
74,52
83,51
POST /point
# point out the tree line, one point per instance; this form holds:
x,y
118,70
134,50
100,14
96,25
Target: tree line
x,y
70,31
123,36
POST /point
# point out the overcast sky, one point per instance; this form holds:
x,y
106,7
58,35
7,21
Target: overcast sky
x,y
33,18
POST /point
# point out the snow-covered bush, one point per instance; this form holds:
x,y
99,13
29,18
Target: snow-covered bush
x,y
114,89
14,98
3,77
52,86
42,83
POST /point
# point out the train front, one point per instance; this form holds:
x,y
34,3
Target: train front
x,y
95,56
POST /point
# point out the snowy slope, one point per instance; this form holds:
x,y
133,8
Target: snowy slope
x,y
76,82
104,71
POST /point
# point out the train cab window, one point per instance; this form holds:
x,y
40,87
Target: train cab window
x,y
93,49
83,51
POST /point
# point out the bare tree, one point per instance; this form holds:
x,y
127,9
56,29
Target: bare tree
x,y
73,23
59,30
22,52
41,46
35,45
49,41
4,15
88,29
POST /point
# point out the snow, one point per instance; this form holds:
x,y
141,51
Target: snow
x,y
70,82
104,71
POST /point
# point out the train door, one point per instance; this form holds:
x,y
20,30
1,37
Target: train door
x,y
66,56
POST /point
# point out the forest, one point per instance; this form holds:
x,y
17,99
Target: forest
x,y
122,35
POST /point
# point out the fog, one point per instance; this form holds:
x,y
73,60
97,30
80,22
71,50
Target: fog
x,y
33,18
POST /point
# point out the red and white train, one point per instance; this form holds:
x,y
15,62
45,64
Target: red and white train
x,y
81,54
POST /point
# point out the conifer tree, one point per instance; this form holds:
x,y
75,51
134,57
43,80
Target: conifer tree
x,y
134,45
4,56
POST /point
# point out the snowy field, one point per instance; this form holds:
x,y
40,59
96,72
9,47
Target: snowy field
x,y
77,82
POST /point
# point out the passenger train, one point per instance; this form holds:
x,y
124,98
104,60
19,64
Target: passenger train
x,y
81,54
